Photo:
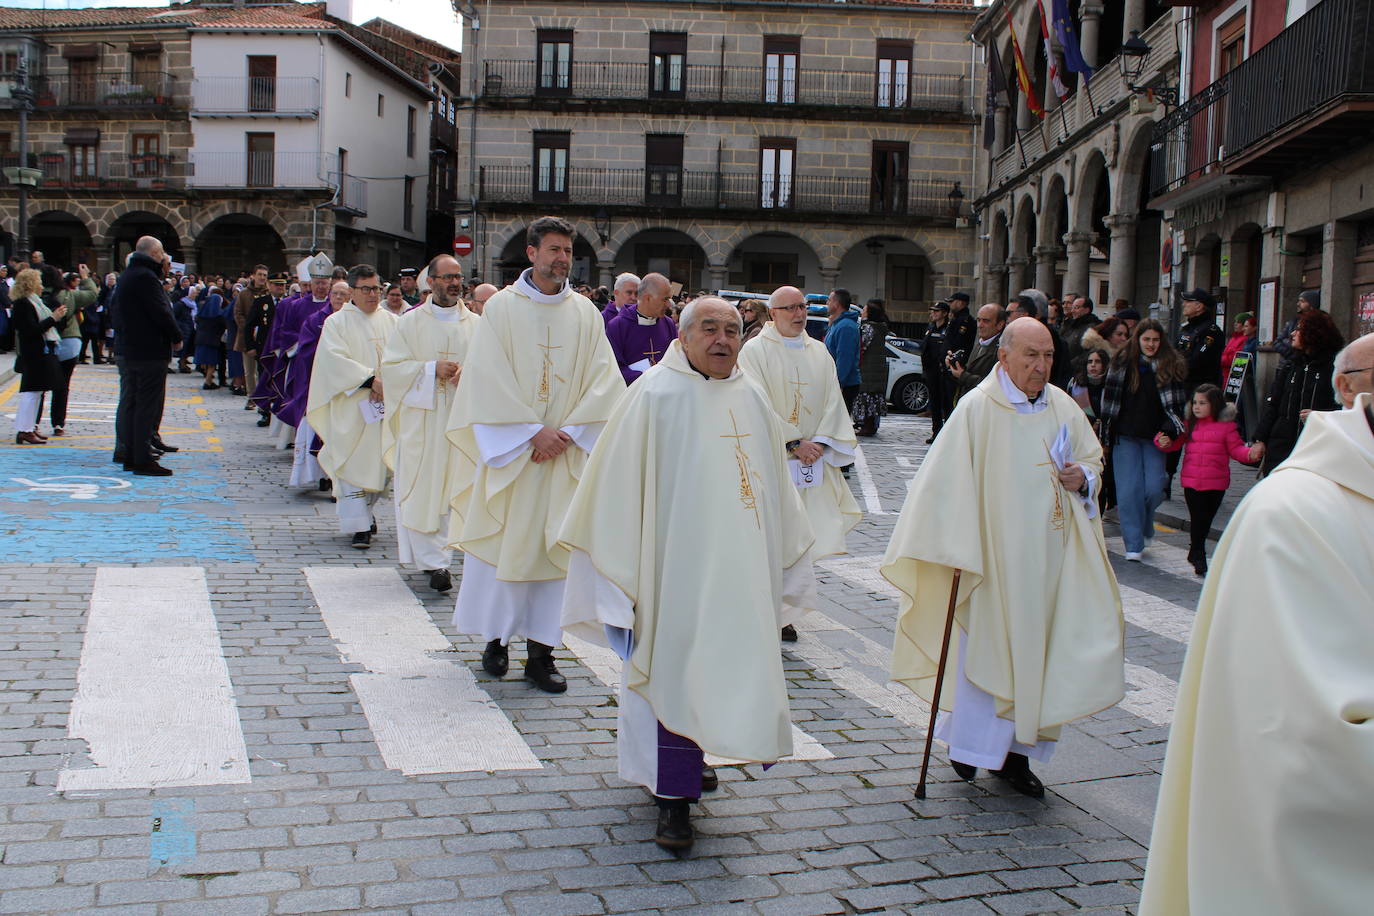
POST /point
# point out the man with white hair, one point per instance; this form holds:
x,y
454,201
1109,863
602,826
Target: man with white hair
x,y
690,581
1353,373
797,373
625,295
1013,478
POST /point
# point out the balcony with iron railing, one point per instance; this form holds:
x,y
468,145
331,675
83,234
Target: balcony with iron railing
x,y
263,171
116,92
626,85
784,197
352,195
71,170
1088,108
255,96
1306,94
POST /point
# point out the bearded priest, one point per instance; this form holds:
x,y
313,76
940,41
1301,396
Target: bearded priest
x,y
797,373
539,384
346,402
420,370
690,581
1013,480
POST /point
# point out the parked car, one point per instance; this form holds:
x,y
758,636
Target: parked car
x,y
906,389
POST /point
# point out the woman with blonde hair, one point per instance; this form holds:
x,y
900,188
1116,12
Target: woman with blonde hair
x,y
36,340
754,314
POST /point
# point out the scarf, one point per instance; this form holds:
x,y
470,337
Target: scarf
x,y
44,313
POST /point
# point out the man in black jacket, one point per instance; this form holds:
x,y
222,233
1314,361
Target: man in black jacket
x,y
1200,341
145,333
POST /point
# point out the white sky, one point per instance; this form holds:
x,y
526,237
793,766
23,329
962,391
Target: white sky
x,y
434,19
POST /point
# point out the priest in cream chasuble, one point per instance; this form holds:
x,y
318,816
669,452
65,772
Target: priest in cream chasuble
x,y
1267,800
1008,496
421,368
797,373
345,406
539,383
692,566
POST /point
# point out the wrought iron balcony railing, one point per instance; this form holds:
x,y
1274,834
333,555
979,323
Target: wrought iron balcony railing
x,y
72,169
734,192
1307,90
243,96
262,170
705,83
101,90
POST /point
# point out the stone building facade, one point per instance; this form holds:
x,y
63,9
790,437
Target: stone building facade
x,y
728,145
225,130
1062,202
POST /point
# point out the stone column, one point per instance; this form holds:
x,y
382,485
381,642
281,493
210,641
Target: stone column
x,y
1046,261
1091,13
1017,279
718,275
1002,119
605,273
1077,245
1338,274
1134,19
1121,266
997,283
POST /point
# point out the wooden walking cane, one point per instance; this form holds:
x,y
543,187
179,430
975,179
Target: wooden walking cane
x,y
939,683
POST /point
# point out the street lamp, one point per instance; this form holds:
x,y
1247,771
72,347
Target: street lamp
x,y
603,225
23,176
956,199
1131,61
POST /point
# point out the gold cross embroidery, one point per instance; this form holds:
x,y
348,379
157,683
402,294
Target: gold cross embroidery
x,y
747,497
378,344
1057,521
653,353
548,348
797,385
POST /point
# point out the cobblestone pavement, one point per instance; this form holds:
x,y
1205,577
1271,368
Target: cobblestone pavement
x,y
300,811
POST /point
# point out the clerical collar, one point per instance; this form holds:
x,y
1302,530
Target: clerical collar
x,y
1020,402
644,320
794,343
526,286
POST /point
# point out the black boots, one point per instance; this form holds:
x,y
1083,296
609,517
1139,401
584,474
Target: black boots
x,y
1198,557
540,669
674,824
1016,772
441,580
495,659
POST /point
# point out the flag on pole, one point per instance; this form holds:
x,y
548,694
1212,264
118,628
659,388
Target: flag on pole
x,y
997,84
1055,82
1067,33
1022,73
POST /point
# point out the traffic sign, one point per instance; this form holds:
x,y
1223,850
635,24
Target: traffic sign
x,y
462,246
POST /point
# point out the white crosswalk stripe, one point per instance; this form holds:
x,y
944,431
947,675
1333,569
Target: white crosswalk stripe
x,y
427,714
605,666
153,698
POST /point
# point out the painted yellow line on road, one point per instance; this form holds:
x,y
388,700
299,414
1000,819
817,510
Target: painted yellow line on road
x,y
202,411
213,440
10,392
206,424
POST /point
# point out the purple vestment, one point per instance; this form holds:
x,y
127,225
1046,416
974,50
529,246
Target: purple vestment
x,y
634,342
298,380
273,381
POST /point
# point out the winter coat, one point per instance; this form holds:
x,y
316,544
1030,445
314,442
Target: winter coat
x,y
1208,448
1301,383
142,313
36,354
873,358
842,340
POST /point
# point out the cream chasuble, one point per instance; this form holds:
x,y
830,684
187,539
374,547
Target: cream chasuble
x,y
529,364
1038,599
417,411
350,352
1267,803
801,384
693,536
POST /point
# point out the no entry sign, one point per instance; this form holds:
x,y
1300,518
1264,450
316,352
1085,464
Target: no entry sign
x,y
462,246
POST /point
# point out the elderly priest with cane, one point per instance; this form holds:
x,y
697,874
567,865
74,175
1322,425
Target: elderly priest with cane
x,y
691,580
1014,581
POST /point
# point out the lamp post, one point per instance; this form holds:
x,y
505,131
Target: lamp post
x,y
956,200
1131,60
22,176
603,225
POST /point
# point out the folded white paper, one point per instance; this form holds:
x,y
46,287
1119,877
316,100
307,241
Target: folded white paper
x,y
805,475
642,366
373,411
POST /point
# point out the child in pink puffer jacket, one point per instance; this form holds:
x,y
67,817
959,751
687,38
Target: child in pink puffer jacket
x,y
1210,443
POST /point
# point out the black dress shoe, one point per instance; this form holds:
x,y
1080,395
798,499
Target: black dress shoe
x,y
362,540
264,422
247,406
1200,566
710,782
440,580
965,771
789,633
326,484
164,447
150,469
674,826
495,659
543,673
1016,773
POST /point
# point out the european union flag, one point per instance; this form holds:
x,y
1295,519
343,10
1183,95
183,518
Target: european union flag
x,y
1067,33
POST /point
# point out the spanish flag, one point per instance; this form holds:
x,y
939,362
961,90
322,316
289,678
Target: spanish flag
x,y
1023,78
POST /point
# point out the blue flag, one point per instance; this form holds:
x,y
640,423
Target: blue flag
x,y
1067,32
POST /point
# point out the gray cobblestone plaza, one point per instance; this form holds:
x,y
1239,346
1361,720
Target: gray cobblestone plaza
x,y
322,825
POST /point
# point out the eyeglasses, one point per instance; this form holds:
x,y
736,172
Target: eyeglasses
x,y
1349,371
446,277
789,308
368,289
